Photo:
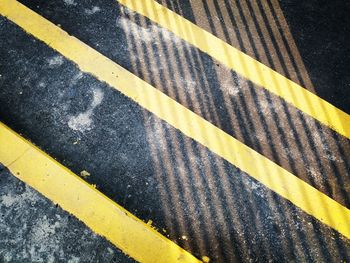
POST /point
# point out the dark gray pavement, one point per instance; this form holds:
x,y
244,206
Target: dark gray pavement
x,y
197,199
33,229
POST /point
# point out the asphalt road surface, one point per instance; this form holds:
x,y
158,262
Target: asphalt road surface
x,y
191,194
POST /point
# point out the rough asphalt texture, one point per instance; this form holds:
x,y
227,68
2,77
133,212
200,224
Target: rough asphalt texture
x,y
33,229
195,198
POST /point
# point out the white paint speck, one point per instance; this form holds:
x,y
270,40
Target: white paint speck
x,y
7,257
8,200
74,259
55,61
83,121
42,84
93,10
189,84
76,78
315,175
43,229
230,87
18,200
146,34
97,99
157,136
69,2
254,187
110,251
267,107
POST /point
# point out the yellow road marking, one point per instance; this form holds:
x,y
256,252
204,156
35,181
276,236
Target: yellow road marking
x,y
256,165
245,65
74,195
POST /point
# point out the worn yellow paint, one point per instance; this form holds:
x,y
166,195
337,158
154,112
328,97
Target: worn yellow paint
x,y
136,238
256,165
245,65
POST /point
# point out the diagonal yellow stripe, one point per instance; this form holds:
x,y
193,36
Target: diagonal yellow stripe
x,y
245,65
74,195
256,165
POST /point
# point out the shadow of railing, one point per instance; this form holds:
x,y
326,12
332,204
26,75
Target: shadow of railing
x,y
203,194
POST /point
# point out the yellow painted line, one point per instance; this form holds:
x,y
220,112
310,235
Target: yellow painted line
x,y
74,195
256,165
245,65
